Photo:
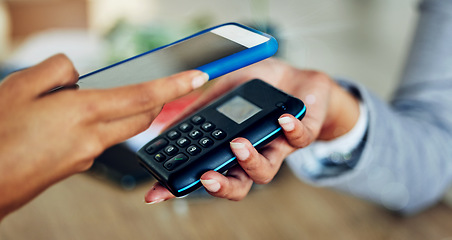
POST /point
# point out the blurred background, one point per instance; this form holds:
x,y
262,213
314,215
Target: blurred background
x,y
365,40
362,40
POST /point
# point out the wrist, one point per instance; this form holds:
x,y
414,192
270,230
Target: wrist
x,y
342,115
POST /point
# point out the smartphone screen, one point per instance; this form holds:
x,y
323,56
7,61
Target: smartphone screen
x,y
188,54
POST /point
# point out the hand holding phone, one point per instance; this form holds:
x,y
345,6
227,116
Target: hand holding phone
x,y
215,51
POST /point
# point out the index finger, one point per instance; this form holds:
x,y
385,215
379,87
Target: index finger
x,y
258,167
298,135
135,99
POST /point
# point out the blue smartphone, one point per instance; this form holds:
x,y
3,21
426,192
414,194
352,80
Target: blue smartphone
x,y
215,51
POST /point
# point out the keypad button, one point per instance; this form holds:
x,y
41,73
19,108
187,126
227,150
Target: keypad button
x,y
156,146
173,134
159,157
176,161
185,127
193,150
183,142
195,134
207,126
218,134
206,142
197,119
171,150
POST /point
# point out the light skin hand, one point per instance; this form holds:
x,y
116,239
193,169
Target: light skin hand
x,y
331,112
47,137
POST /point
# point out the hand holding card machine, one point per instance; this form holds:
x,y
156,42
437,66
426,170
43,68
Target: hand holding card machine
x,y
215,51
179,156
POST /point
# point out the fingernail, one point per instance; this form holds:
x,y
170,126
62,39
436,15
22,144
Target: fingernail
x,y
155,201
286,123
240,150
211,185
199,80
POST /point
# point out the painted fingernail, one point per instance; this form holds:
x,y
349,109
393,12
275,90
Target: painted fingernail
x,y
199,80
211,185
240,150
286,123
155,201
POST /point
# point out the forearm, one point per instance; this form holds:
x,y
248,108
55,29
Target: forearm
x,y
405,163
